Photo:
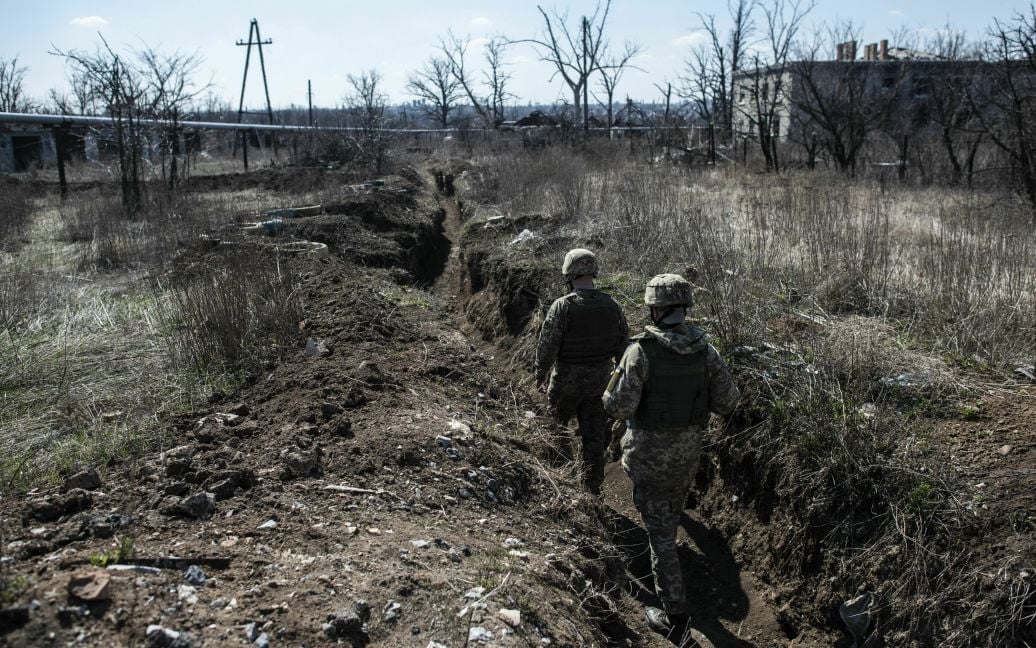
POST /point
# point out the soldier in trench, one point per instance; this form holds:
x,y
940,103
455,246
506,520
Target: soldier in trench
x,y
583,334
668,382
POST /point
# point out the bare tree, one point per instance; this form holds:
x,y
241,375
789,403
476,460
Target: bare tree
x,y
366,104
455,49
840,103
764,85
495,78
612,68
1007,110
12,91
575,53
170,88
437,88
960,132
145,84
725,57
118,85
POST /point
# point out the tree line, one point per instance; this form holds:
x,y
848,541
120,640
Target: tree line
x,y
764,81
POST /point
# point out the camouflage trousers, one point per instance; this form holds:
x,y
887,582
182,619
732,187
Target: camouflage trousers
x,y
575,391
662,465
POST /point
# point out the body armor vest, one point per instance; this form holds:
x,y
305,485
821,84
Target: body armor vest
x,y
591,329
676,393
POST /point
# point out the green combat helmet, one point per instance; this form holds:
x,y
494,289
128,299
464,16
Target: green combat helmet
x,y
666,290
579,262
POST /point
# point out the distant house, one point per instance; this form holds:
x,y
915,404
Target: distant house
x,y
23,147
536,118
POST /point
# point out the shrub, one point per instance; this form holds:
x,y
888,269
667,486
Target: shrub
x,y
233,316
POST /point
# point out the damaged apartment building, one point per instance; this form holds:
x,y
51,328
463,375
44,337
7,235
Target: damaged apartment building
x,y
891,82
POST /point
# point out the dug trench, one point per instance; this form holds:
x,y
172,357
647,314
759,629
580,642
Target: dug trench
x,y
380,484
383,483
502,289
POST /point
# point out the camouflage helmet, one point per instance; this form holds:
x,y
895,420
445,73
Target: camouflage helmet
x,y
666,290
579,262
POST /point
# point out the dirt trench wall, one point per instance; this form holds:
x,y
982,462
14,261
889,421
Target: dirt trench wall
x,y
505,291
398,227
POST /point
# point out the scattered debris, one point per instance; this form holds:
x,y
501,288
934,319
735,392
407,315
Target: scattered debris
x,y
1005,450
512,618
908,379
1028,372
855,614
317,348
478,633
159,637
269,524
194,575
392,611
524,237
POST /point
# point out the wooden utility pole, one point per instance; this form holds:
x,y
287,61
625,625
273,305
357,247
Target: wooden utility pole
x,y
253,29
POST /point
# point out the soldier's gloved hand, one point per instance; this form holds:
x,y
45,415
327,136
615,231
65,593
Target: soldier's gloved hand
x,y
541,385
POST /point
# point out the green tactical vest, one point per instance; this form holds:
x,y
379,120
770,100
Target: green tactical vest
x,y
591,329
676,393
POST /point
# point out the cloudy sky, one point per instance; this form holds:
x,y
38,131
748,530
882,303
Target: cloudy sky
x,y
324,40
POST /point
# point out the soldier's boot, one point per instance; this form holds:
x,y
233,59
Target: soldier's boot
x,y
658,620
665,623
593,478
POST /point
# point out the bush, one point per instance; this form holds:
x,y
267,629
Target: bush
x,y
234,316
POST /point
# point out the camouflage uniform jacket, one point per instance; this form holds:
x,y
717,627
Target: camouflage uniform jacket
x,y
552,335
627,385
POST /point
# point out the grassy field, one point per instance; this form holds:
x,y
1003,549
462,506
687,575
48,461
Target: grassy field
x,y
110,324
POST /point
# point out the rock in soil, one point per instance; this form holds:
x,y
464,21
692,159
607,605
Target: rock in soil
x,y
57,506
298,463
89,586
199,506
88,479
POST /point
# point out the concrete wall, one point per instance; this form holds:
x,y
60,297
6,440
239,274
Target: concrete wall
x,y
26,143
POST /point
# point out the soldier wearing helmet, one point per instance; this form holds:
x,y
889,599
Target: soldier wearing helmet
x,y
583,334
665,387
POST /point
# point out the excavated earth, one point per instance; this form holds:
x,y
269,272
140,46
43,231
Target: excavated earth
x,y
383,484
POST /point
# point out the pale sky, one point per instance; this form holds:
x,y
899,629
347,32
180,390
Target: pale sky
x,y
324,40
